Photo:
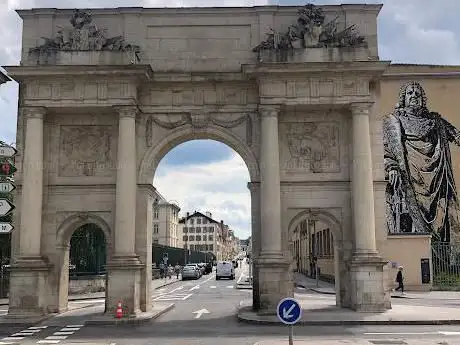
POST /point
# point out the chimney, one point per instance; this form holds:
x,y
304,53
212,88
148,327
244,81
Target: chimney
x,y
188,214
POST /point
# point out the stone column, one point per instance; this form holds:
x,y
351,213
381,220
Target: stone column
x,y
272,266
254,188
124,267
366,267
29,271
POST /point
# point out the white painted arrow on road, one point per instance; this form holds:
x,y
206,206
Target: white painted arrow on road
x,y
287,313
177,289
5,207
200,312
196,287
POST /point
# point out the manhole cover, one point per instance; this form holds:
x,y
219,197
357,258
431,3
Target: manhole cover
x,y
388,342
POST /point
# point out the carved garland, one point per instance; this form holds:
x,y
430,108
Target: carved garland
x,y
199,121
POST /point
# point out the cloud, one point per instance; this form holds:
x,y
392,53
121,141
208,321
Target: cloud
x,y
218,187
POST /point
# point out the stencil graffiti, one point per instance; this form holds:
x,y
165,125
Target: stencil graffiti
x,y
421,194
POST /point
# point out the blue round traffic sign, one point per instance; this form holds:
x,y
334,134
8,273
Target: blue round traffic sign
x,y
289,311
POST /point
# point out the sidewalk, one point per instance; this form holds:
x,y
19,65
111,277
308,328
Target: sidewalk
x,y
324,312
156,284
313,341
328,289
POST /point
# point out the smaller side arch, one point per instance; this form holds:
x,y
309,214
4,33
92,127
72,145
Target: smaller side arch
x,y
75,221
318,214
154,154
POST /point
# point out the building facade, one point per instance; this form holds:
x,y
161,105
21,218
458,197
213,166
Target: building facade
x,y
165,222
200,232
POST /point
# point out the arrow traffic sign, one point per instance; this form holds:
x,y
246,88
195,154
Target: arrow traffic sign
x,y
6,187
5,207
6,228
289,311
7,151
7,168
200,312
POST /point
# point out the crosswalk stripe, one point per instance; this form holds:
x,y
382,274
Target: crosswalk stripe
x,y
48,342
74,325
56,337
63,333
66,329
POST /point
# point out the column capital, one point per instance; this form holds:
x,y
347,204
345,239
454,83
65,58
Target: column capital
x,y
269,110
127,111
361,108
33,112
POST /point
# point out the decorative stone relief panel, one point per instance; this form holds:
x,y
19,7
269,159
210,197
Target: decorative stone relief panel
x,y
315,87
201,95
79,90
312,147
421,196
86,151
200,120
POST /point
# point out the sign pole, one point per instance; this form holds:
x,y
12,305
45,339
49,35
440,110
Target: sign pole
x,y
291,335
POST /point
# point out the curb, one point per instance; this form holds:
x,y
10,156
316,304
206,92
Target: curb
x,y
166,284
243,287
333,293
131,321
255,320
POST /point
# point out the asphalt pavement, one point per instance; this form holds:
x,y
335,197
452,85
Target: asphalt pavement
x,y
204,314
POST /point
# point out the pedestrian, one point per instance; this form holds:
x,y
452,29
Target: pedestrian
x,y
170,271
177,270
400,280
162,270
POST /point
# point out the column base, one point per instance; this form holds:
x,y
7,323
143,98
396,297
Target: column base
x,y
272,282
28,288
368,283
123,285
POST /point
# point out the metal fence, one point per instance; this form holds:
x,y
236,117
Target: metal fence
x,y
446,266
179,255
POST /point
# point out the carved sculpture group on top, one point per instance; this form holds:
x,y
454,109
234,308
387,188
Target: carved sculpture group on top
x,y
421,196
83,36
311,31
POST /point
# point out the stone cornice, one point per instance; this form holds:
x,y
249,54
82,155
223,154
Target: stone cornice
x,y
33,112
284,10
24,73
299,69
361,108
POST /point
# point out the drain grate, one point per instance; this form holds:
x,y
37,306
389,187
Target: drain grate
x,y
388,342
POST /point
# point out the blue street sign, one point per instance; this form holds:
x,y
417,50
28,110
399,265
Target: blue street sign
x,y
289,311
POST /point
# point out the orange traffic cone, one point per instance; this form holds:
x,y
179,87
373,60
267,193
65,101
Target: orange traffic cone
x,y
119,311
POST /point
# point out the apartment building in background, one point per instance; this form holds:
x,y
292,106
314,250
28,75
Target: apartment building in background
x,y
165,221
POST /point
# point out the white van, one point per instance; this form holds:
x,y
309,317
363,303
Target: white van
x,y
224,269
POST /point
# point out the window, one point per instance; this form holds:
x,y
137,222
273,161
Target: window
x,y
198,237
204,237
192,247
211,229
185,238
205,229
198,221
210,238
155,228
191,230
192,221
205,221
156,211
185,229
198,229
210,247
155,240
191,238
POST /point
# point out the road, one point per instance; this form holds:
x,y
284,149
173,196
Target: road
x,y
204,314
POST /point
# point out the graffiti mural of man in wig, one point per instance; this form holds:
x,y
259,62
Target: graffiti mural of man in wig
x,y
421,194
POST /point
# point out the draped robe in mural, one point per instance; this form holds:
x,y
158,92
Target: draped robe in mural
x,y
417,146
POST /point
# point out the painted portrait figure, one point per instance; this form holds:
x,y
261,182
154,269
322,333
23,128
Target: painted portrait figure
x,y
421,195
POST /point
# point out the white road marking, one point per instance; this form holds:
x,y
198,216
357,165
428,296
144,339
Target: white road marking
x,y
208,279
56,337
67,328
175,297
196,287
230,287
449,333
212,287
13,338
177,289
402,333
48,342
75,326
38,327
5,343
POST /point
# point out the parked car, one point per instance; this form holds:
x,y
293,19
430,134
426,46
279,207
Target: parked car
x,y
190,272
225,269
200,273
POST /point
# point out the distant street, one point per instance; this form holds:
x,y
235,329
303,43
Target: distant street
x,y
204,314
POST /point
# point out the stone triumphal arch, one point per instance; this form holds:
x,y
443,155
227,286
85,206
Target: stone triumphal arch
x,y
108,92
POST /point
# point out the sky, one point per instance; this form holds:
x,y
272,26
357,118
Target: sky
x,y
213,176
